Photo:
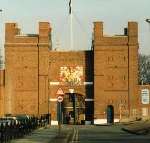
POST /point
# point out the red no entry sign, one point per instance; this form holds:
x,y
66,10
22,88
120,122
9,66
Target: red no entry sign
x,y
59,98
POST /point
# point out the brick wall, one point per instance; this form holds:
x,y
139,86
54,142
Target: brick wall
x,y
2,85
25,76
115,71
69,60
33,72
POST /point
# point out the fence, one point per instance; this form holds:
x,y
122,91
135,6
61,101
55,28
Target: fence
x,y
16,128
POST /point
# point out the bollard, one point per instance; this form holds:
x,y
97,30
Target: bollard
x,y
15,130
2,132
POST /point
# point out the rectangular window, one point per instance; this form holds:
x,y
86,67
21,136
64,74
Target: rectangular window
x,y
124,77
134,112
110,58
144,111
124,58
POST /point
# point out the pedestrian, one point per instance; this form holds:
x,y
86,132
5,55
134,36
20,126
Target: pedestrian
x,y
68,118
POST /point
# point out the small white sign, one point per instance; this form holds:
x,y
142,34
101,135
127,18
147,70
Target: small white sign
x,y
59,98
145,96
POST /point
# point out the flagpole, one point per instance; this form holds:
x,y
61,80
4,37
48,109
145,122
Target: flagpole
x,y
71,24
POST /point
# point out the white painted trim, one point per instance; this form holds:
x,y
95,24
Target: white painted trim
x,y
72,107
54,122
88,83
68,107
59,83
54,83
53,99
103,121
89,99
88,122
100,121
71,90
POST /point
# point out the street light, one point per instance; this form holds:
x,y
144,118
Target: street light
x,y
74,99
147,20
1,49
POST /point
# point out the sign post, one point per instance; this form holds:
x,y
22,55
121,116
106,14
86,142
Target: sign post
x,y
74,107
74,104
59,99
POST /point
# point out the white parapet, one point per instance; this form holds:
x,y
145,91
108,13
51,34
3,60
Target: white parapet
x,y
103,121
54,123
88,122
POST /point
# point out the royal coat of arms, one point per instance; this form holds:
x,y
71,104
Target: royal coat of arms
x,y
71,75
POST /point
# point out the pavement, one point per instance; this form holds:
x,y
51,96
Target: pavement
x,y
47,135
138,127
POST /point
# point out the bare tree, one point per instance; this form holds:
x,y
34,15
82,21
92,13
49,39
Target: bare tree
x,y
144,69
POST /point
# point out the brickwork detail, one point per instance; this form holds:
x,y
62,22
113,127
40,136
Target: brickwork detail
x,y
33,73
116,67
26,78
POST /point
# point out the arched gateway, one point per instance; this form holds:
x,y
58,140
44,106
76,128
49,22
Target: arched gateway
x,y
73,108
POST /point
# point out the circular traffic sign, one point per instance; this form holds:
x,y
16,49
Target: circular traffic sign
x,y
59,98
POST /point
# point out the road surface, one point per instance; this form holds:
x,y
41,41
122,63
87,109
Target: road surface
x,y
107,134
84,134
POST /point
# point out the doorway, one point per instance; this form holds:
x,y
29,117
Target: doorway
x,y
110,114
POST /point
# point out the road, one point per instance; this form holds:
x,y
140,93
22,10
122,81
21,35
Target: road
x,y
107,134
84,134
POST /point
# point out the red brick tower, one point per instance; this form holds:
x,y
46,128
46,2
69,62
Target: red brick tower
x,y
115,72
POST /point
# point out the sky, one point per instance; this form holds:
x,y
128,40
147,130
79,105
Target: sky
x,y
114,13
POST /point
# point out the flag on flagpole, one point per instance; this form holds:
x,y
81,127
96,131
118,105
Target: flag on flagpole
x,y
70,7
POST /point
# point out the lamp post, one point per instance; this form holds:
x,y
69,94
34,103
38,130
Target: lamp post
x,y
71,24
74,107
48,110
147,20
74,100
1,49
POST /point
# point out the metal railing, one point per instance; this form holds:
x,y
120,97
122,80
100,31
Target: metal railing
x,y
17,128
